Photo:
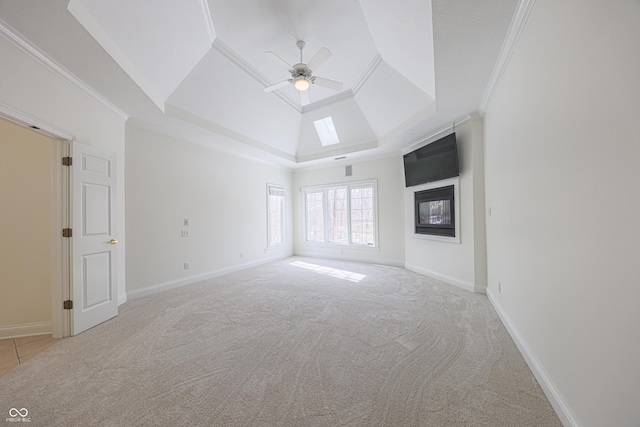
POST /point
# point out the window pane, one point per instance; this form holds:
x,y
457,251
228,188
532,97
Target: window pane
x,y
337,225
362,216
315,216
368,203
275,216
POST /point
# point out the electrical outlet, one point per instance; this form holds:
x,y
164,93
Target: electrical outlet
x,y
186,221
187,265
186,233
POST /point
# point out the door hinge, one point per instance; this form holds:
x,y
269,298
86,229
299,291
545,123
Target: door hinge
x,y
66,232
68,305
67,161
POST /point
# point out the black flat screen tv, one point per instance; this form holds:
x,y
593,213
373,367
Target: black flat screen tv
x,y
433,162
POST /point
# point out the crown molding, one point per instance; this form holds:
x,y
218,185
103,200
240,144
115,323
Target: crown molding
x,y
439,133
29,121
37,55
349,159
337,152
204,123
207,15
78,9
508,47
347,94
377,60
157,128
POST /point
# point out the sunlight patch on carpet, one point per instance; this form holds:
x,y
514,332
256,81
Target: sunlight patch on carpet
x,y
333,272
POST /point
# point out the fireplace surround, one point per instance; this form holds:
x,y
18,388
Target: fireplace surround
x,y
435,211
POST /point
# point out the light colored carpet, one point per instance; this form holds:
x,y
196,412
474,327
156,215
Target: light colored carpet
x,y
297,342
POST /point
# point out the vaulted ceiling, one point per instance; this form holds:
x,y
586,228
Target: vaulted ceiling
x,y
197,68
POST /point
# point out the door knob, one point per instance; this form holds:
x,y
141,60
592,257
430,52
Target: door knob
x,y
113,241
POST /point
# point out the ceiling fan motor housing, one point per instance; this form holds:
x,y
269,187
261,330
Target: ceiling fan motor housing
x,y
300,70
302,74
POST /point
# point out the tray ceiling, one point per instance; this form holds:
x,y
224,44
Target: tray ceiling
x,y
199,66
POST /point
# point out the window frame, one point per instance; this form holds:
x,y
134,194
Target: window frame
x,y
348,186
283,220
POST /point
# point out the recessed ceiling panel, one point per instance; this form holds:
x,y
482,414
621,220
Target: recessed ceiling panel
x,y
220,92
350,124
252,27
403,35
156,43
388,100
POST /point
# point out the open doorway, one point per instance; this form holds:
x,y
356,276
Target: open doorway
x,y
34,256
81,264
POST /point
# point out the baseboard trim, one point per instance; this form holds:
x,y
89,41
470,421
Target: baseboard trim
x,y
556,399
467,286
172,284
122,299
25,330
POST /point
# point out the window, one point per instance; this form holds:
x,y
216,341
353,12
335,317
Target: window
x,y
315,216
275,215
362,215
337,224
341,214
326,131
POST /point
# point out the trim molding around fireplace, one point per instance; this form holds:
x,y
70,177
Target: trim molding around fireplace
x,y
436,211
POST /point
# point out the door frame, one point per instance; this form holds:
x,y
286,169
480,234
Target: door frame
x,y
61,215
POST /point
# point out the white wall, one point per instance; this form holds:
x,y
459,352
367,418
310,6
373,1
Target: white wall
x,y
389,174
33,89
25,218
562,176
461,263
223,196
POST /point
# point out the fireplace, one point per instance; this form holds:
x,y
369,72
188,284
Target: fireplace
x,y
435,212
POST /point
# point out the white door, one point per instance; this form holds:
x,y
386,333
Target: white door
x,y
94,287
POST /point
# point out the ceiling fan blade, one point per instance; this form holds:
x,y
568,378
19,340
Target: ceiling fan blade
x,y
277,85
281,62
304,98
331,84
318,59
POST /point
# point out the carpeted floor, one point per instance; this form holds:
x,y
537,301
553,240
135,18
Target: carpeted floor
x,y
297,342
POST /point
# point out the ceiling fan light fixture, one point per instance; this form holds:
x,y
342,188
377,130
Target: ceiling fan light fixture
x,y
301,83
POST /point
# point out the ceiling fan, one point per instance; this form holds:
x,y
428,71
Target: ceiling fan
x,y
302,74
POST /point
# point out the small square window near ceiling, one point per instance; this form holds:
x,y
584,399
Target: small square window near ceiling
x,y
326,131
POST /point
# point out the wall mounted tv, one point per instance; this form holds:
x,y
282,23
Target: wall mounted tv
x,y
433,162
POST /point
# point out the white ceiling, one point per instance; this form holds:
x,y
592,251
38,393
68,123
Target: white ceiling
x,y
196,68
